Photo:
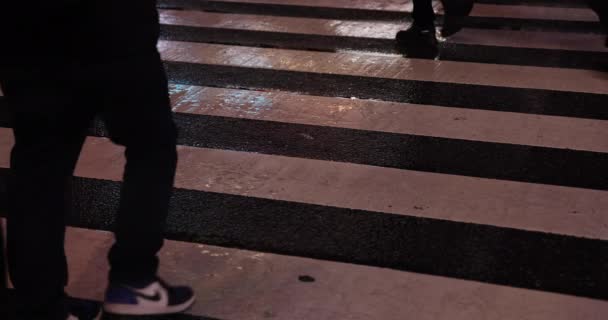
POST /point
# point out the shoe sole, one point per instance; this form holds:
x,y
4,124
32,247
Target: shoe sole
x,y
97,317
404,39
133,310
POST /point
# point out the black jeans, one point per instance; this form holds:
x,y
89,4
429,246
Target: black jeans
x,y
423,14
108,67
3,289
50,121
601,9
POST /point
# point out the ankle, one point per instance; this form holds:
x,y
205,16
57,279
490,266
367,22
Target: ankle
x,y
423,26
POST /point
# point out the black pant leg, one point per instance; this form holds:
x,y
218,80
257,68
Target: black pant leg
x,y
4,303
601,9
48,139
423,15
2,263
138,116
137,112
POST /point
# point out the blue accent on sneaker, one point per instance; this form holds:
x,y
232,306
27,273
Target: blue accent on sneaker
x,y
120,294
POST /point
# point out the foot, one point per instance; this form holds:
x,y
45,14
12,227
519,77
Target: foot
x,y
417,36
83,310
153,298
455,12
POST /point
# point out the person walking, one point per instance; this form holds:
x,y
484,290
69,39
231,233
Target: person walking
x,y
422,31
63,63
601,9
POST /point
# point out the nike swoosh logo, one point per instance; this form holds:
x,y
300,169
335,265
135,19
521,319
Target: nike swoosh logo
x,y
155,298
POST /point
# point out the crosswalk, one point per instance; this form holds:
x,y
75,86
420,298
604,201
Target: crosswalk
x,y
323,175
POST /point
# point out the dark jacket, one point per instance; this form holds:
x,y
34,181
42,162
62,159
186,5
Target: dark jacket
x,y
47,35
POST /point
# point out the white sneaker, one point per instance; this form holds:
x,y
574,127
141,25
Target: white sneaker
x,y
154,298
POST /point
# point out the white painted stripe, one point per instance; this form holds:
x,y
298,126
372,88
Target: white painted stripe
x,y
381,30
393,5
375,29
240,284
392,67
531,39
533,12
467,124
481,10
535,207
405,118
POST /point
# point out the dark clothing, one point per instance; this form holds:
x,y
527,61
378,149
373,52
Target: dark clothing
x,y
98,58
601,9
39,35
423,15
3,291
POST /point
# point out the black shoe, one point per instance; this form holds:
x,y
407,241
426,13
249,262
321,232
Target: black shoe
x,y
455,12
417,36
83,310
418,42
